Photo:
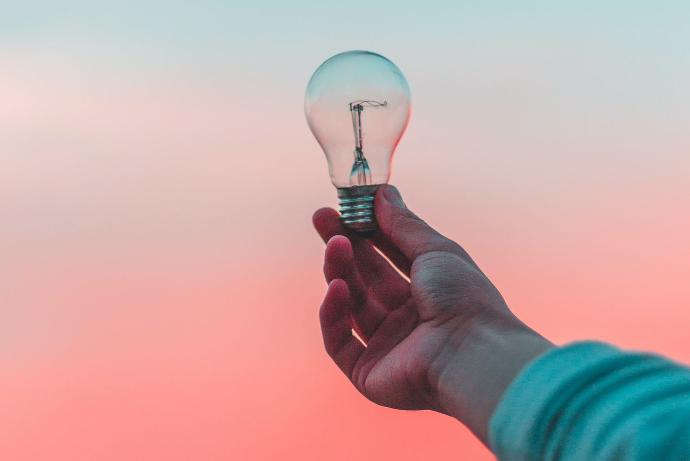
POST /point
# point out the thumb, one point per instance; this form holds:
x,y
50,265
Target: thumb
x,y
406,230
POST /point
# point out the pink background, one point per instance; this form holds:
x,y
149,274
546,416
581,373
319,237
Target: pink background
x,y
159,277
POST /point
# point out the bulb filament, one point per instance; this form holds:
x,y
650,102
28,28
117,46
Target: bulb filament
x,y
361,173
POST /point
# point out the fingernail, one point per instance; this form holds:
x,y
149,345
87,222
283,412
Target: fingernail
x,y
336,237
393,196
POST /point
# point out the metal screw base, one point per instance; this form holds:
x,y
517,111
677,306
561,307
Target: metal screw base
x,y
357,207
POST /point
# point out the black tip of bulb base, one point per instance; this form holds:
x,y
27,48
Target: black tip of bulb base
x,y
357,208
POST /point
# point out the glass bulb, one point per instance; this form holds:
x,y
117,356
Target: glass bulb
x,y
357,105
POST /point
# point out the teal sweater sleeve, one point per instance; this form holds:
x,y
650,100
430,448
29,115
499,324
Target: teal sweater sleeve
x,y
589,401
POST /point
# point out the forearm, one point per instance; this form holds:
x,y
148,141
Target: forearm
x,y
479,362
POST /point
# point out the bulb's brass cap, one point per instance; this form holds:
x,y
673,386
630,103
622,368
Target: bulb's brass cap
x,y
357,208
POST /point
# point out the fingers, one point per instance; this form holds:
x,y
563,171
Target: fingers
x,y
341,345
327,224
402,229
392,252
384,282
397,326
339,264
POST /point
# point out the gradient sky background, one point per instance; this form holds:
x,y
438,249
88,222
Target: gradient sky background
x,y
159,277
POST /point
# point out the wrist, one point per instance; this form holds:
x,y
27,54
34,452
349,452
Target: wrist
x,y
479,361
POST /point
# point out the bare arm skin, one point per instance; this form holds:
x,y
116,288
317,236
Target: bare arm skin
x,y
444,340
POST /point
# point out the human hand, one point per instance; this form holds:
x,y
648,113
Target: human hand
x,y
425,336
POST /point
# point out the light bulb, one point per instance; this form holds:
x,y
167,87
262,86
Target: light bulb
x,y
357,105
